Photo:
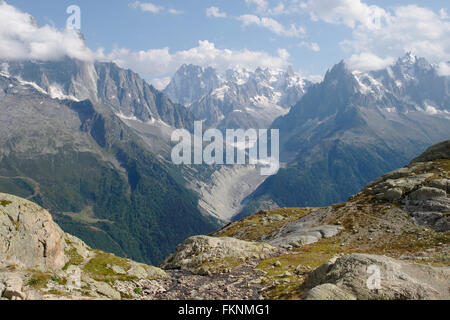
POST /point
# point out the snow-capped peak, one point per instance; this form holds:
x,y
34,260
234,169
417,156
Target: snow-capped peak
x,y
408,59
191,83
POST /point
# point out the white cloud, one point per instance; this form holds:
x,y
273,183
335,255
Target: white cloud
x,y
147,7
153,8
380,34
444,69
367,61
175,11
310,45
279,9
261,5
272,25
314,78
406,29
263,8
215,13
347,12
283,54
160,62
160,83
22,38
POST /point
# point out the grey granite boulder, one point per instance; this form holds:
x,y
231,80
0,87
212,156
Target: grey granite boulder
x,y
14,287
303,231
443,184
427,193
373,277
391,195
196,251
28,235
328,291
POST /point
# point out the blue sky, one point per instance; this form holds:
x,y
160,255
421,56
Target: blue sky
x,y
310,35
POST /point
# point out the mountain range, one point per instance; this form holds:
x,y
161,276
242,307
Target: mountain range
x,y
353,126
237,98
90,142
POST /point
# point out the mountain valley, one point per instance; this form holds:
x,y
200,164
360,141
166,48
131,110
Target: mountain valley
x,y
398,223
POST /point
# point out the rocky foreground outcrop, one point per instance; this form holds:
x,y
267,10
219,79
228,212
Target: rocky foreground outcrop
x,y
372,277
202,254
390,241
39,261
28,236
422,187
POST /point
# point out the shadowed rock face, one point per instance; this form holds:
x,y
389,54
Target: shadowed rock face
x,y
438,151
28,236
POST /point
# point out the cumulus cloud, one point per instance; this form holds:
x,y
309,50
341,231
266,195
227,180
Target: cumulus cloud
x,y
347,12
153,8
406,29
283,54
215,12
310,45
379,34
160,83
159,62
147,7
367,61
261,5
314,78
22,38
444,69
175,11
271,24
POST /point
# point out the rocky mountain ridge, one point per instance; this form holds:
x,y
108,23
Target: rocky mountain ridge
x,y
191,83
124,91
